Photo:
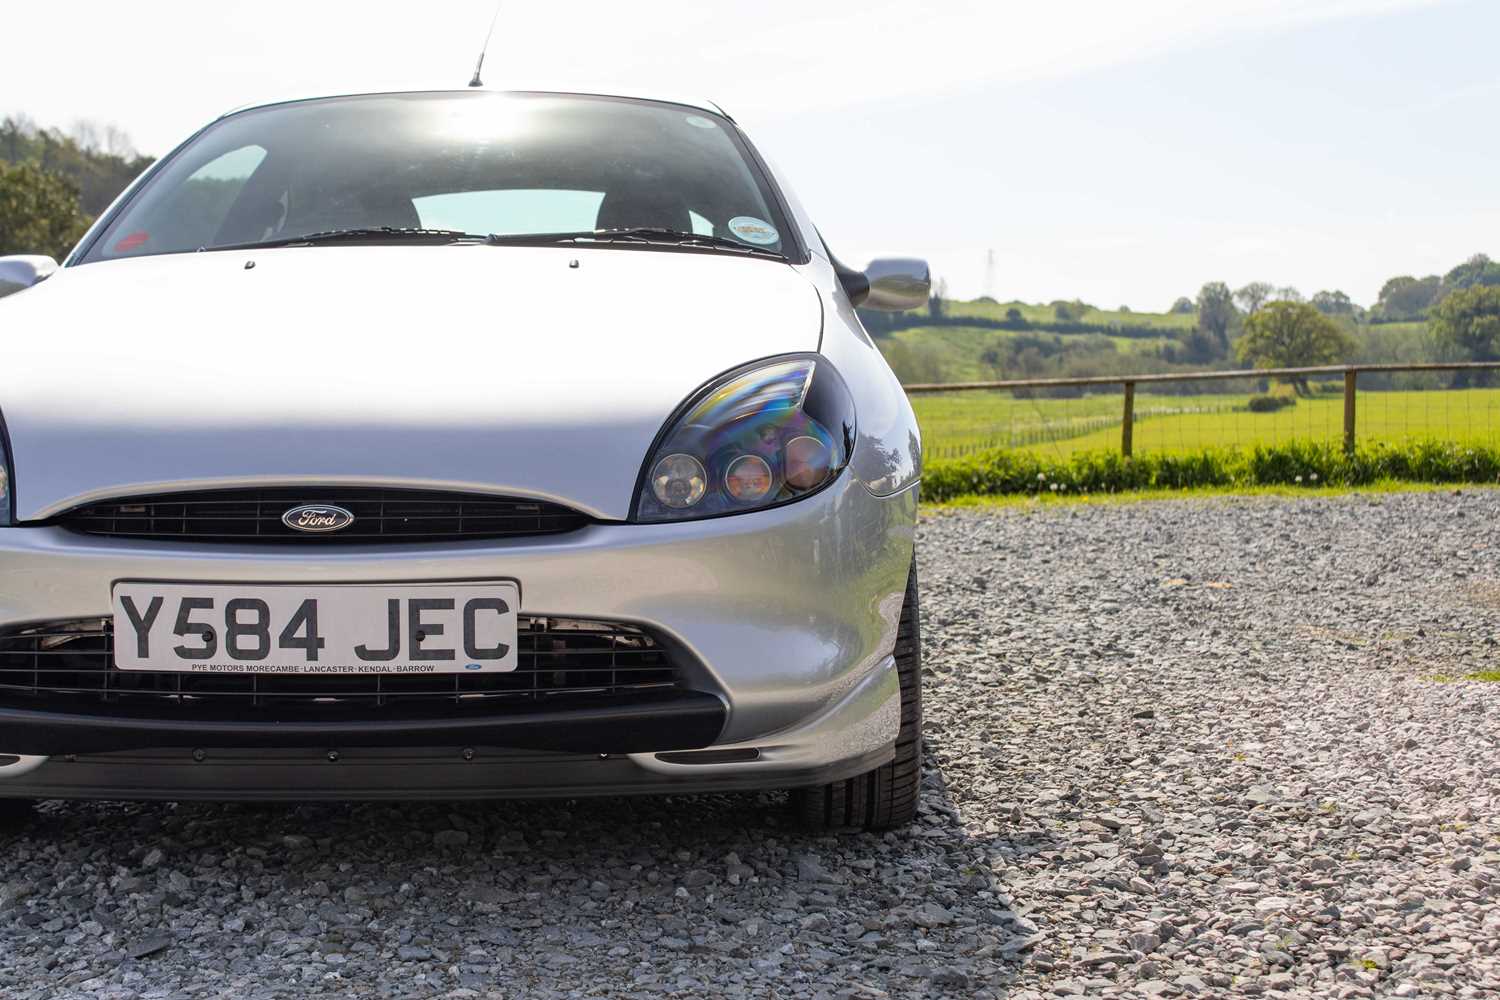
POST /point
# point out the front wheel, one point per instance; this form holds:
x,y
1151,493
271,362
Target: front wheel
x,y
887,796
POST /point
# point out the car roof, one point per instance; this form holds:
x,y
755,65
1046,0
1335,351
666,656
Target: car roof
x,y
699,103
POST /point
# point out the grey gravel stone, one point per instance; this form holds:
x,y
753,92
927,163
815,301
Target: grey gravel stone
x,y
931,915
450,838
950,978
1139,782
149,946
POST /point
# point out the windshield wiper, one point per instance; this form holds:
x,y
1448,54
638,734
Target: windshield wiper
x,y
677,236
442,237
638,234
370,235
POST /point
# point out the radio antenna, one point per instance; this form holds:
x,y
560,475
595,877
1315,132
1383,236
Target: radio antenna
x,y
479,66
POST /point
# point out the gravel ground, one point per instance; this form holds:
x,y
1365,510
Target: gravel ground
x,y
1189,748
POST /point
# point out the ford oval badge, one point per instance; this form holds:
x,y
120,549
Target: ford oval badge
x,y
317,518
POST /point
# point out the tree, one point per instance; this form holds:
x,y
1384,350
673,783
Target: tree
x,y
99,166
1469,319
1477,270
117,144
1286,293
1333,303
1013,315
1253,296
1292,335
1216,312
1199,348
1182,306
1405,297
86,134
39,213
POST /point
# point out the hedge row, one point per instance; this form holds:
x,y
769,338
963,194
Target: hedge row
x,y
1295,463
880,324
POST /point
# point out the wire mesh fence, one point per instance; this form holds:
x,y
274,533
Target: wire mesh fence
x,y
1201,410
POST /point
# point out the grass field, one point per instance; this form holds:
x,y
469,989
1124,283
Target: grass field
x,y
1170,323
1115,342
1392,407
956,353
959,423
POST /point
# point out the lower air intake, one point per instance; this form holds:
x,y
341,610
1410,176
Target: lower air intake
x,y
563,661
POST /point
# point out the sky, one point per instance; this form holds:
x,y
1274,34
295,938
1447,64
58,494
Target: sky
x,y
1122,153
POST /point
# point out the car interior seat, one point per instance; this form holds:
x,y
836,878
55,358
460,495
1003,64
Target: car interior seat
x,y
633,208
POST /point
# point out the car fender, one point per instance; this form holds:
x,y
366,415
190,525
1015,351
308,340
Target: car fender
x,y
887,455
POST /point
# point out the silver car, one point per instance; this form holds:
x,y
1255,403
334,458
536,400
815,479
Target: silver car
x,y
458,445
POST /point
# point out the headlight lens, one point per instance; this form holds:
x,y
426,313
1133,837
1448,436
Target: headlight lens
x,y
807,462
678,481
748,479
767,434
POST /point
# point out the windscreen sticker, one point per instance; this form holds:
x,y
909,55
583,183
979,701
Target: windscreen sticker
x,y
753,230
698,121
132,241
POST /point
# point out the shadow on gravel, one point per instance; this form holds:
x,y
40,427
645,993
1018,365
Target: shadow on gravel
x,y
716,893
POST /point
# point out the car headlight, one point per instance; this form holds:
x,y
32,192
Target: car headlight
x,y
763,435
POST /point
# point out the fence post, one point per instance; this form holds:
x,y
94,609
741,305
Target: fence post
x,y
1127,425
1350,378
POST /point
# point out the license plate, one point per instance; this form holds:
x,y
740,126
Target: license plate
x,y
421,628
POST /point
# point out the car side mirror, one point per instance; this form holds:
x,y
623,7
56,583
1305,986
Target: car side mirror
x,y
890,284
23,271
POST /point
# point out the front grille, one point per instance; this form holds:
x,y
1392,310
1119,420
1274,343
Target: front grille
x,y
380,515
70,665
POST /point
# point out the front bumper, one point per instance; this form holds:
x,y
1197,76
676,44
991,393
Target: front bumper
x,y
851,737
784,621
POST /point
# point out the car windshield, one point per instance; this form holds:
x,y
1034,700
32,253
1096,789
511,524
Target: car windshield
x,y
393,168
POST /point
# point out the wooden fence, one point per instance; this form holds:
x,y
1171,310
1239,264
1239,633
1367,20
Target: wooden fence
x,y
1128,383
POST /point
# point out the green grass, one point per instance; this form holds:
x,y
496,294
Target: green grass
x,y
1170,323
1048,499
957,423
972,341
942,353
955,353
1409,427
1293,463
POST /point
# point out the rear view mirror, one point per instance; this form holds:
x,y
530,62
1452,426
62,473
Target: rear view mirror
x,y
891,284
23,271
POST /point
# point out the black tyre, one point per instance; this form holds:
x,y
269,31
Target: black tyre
x,y
887,796
16,813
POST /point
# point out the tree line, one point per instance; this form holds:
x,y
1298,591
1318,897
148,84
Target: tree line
x,y
1267,327
1258,325
53,184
